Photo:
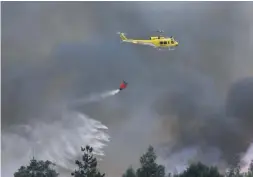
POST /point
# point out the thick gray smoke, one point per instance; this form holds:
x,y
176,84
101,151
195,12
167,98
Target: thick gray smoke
x,y
54,53
215,133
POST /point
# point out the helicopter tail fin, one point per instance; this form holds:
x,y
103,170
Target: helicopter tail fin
x,y
122,36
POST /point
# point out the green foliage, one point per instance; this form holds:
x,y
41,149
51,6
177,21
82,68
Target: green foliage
x,y
129,172
250,170
37,169
200,170
235,170
251,167
88,166
149,167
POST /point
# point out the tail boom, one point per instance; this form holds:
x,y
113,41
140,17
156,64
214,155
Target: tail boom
x,y
122,36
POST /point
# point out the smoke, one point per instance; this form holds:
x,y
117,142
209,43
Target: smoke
x,y
247,159
53,53
220,134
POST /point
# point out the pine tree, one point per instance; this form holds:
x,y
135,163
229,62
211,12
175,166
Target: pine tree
x,y
88,166
251,167
37,169
129,172
200,170
234,170
250,170
149,167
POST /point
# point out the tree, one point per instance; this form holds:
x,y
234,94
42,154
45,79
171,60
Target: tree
x,y
87,168
129,172
235,170
37,169
250,170
149,168
200,170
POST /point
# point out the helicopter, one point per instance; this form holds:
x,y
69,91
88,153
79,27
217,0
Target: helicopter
x,y
159,42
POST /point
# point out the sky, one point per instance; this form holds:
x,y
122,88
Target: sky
x,y
192,103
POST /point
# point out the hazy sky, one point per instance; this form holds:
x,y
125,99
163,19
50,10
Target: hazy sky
x,y
193,100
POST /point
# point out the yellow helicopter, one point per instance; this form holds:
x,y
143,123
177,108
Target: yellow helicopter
x,y
159,42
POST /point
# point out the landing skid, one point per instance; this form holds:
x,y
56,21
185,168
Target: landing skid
x,y
165,49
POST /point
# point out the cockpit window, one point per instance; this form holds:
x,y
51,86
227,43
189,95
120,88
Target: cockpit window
x,y
172,42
